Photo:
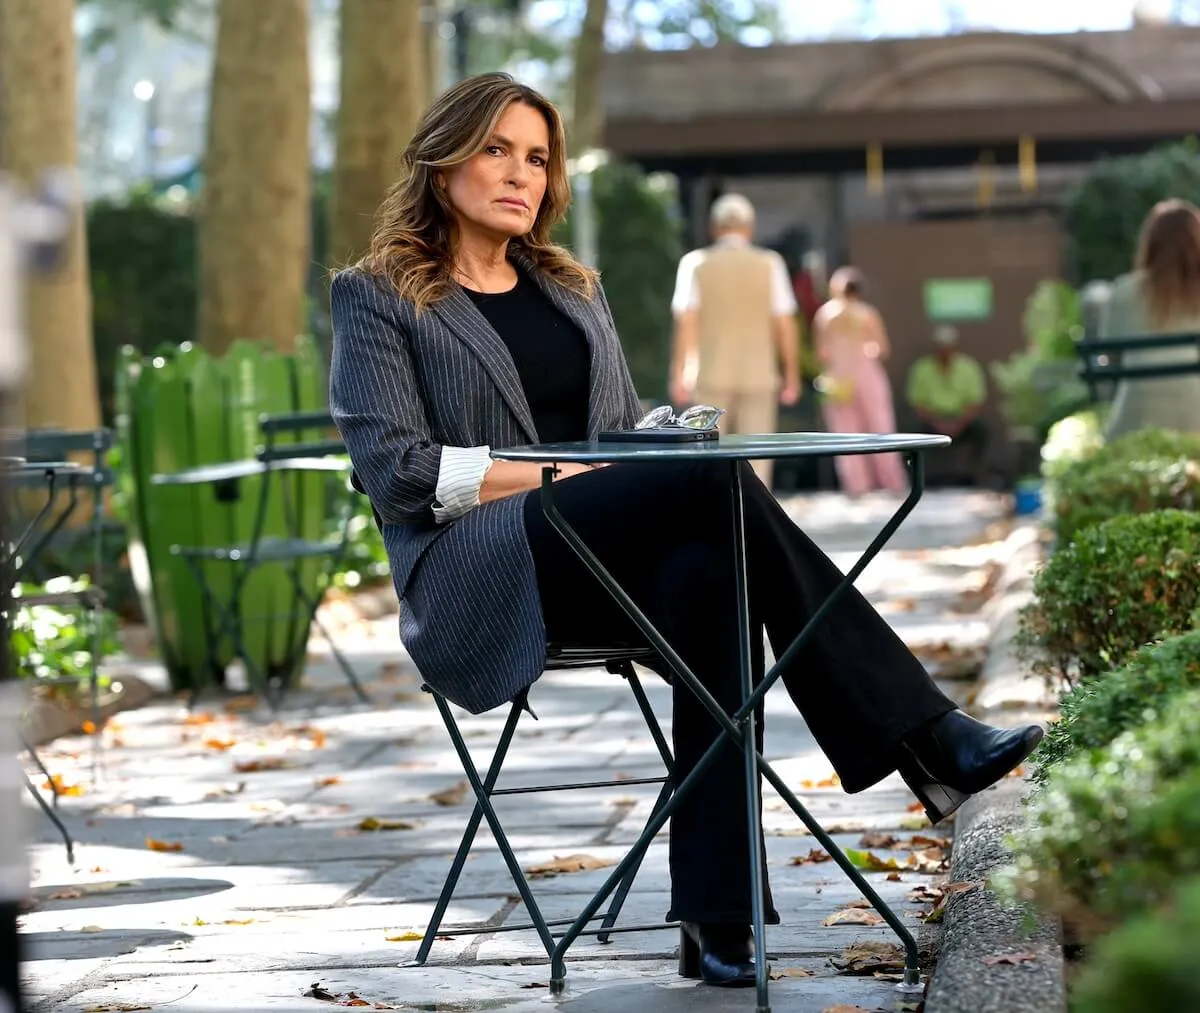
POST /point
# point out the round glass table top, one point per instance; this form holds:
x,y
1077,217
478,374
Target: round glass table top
x,y
726,448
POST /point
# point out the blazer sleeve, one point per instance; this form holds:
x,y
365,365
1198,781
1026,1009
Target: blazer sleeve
x,y
376,402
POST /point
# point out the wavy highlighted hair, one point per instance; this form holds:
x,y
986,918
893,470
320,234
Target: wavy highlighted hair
x,y
414,228
1168,258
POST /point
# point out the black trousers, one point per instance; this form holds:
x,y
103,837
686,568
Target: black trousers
x,y
665,533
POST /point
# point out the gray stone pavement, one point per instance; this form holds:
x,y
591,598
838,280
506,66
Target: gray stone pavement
x,y
272,887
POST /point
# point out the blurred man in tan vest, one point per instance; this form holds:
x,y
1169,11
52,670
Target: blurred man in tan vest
x,y
735,327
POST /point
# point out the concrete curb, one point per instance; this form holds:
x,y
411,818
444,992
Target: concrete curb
x,y
976,925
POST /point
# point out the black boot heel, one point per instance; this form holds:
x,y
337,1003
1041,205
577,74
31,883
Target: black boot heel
x,y
720,954
939,800
689,955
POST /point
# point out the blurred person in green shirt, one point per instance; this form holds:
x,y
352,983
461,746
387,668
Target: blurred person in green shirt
x,y
946,391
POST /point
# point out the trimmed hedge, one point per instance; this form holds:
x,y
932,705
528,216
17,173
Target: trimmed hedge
x,y
1152,469
1114,829
1148,963
1094,714
1118,586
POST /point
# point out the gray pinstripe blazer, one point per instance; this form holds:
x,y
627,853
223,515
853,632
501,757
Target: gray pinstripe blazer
x,y
404,385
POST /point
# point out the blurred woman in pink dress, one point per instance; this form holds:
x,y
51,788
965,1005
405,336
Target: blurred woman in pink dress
x,y
851,343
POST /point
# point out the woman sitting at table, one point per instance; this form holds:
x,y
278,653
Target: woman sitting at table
x,y
464,328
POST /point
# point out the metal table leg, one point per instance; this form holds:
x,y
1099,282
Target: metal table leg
x,y
739,728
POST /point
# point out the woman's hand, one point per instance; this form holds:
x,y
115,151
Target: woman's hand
x,y
507,478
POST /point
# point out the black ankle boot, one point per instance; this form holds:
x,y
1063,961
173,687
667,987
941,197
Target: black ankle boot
x,y
718,954
954,756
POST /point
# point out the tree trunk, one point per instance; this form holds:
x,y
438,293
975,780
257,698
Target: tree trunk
x,y
254,234
382,96
587,115
37,117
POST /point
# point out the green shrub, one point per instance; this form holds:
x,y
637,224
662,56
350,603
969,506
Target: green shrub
x,y
1152,469
1148,963
1118,586
49,642
1114,829
1094,714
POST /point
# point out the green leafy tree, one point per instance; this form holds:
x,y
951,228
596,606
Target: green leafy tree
x,y
1105,212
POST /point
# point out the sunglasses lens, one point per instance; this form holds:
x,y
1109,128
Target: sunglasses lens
x,y
655,418
701,417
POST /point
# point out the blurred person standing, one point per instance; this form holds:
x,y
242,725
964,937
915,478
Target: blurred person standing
x,y
735,327
946,391
851,344
1160,296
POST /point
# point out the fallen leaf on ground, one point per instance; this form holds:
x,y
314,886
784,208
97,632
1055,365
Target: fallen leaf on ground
x,y
569,863
876,839
868,957
1018,771
453,795
70,893
156,845
924,894
791,972
812,858
120,1007
894,877
859,902
915,822
404,937
931,860
266,763
238,921
57,785
852,916
225,791
1010,958
219,744
88,728
843,1008
328,782
832,781
845,828
919,841
315,991
241,703
97,868
202,718
91,928
373,823
871,862
536,984
915,807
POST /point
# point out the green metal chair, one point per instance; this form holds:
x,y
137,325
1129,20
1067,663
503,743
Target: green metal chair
x,y
617,659
298,475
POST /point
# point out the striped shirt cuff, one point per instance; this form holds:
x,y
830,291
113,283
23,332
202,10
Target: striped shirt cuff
x,y
460,475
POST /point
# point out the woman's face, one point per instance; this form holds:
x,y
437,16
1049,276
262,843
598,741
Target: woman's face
x,y
498,191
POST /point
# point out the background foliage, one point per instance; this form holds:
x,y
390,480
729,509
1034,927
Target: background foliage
x,y
1105,212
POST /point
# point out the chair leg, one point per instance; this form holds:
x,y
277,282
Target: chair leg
x,y
472,828
484,800
343,663
33,754
626,884
52,815
627,672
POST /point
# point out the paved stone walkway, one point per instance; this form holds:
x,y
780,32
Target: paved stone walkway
x,y
269,885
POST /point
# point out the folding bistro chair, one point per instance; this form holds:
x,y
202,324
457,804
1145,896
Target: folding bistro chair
x,y
618,659
284,468
58,445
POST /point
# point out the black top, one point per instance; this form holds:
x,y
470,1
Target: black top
x,y
550,352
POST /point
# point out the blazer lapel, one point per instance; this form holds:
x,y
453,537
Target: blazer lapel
x,y
586,315
471,327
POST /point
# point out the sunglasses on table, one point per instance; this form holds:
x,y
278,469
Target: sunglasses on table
x,y
700,418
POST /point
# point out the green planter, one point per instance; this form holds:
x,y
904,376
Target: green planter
x,y
181,408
